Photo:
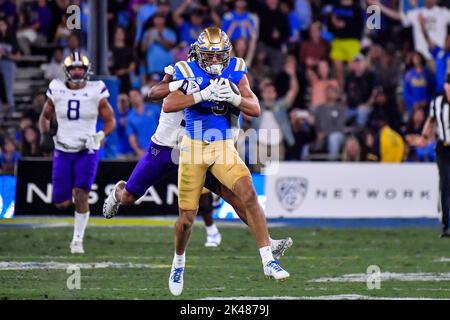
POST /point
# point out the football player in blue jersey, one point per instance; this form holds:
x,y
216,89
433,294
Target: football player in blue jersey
x,y
208,144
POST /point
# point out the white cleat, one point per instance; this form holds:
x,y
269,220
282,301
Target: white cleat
x,y
279,247
273,270
111,205
213,240
76,247
176,280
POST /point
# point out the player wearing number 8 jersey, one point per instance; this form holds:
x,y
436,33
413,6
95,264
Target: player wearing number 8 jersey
x,y
76,103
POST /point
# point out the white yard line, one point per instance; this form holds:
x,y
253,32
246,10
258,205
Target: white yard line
x,y
388,276
33,265
328,297
442,259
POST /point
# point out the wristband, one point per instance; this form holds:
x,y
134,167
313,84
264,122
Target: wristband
x,y
237,99
197,97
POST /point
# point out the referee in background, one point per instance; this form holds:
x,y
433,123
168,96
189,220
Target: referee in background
x,y
438,123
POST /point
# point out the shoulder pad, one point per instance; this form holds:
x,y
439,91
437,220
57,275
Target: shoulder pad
x,y
240,65
185,69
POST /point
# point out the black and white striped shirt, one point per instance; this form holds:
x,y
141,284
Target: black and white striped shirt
x,y
440,112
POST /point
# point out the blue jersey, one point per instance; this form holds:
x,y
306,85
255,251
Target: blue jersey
x,y
209,120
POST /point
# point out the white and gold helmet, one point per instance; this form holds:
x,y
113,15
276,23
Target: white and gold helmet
x,y
213,50
76,59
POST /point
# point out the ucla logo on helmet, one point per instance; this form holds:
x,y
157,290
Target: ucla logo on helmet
x,y
200,39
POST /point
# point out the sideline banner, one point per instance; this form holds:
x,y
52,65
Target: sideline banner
x,y
7,193
34,190
361,190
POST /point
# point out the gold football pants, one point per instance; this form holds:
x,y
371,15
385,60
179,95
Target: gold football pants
x,y
196,158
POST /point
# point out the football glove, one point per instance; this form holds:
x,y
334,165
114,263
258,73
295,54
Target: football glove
x,y
228,94
210,92
47,144
170,70
189,87
93,141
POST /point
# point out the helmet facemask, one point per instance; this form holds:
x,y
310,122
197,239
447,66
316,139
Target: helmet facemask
x,y
214,62
213,50
74,60
192,54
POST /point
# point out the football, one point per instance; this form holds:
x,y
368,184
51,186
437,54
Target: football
x,y
234,87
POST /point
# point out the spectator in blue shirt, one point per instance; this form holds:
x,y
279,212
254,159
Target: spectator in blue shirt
x,y
408,5
294,21
440,55
157,43
418,83
145,12
189,30
43,13
123,106
302,10
239,23
9,156
141,123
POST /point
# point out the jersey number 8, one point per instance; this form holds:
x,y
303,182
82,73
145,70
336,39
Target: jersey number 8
x,y
73,111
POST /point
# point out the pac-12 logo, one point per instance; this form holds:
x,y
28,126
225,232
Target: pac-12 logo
x,y
291,191
199,80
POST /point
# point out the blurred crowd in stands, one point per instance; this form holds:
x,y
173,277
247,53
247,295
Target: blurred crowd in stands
x,y
336,89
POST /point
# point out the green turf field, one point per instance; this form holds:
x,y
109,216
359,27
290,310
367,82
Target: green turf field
x,y
416,256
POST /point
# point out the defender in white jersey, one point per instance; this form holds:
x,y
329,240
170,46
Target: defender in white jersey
x,y
76,105
162,158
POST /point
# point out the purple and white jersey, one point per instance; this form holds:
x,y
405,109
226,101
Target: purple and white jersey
x,y
170,129
76,112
